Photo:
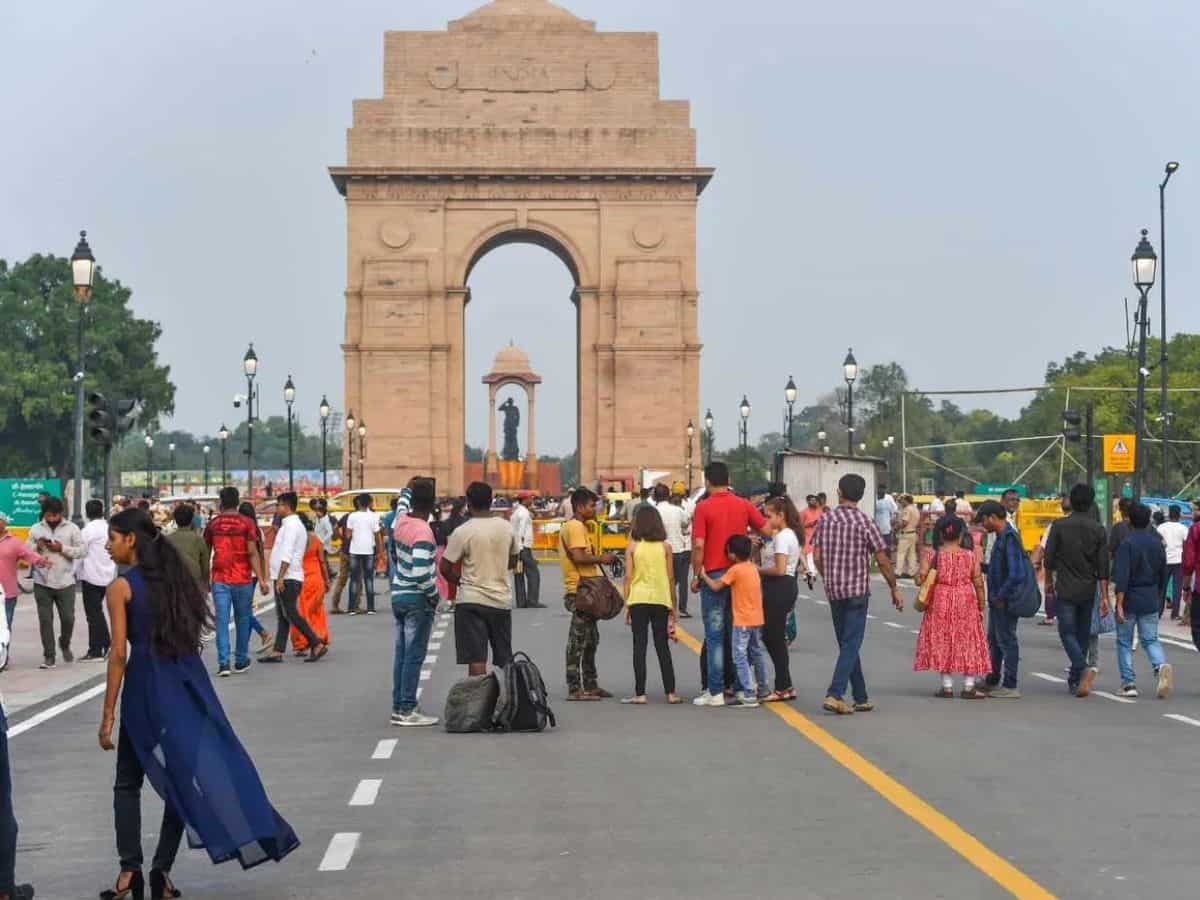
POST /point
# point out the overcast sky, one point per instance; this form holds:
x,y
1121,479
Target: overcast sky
x,y
956,186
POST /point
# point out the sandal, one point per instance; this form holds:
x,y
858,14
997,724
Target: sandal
x,y
945,694
674,699
318,655
161,887
634,701
773,697
135,888
600,693
972,694
270,659
580,695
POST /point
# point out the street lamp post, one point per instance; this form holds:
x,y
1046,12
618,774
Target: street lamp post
x,y
250,367
149,442
289,397
206,452
789,394
324,439
850,371
223,434
744,429
708,430
362,454
171,451
691,434
83,274
1164,403
1144,263
350,425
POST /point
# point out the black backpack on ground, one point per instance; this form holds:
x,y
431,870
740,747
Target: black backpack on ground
x,y
523,704
471,704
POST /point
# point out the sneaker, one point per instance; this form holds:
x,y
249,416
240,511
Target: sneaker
x,y
397,717
865,706
707,699
370,612
239,668
1004,693
224,672
48,663
1164,681
23,892
417,719
837,705
739,697
91,657
751,703
1129,690
68,656
1085,683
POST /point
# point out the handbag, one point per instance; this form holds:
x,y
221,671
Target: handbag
x,y
925,595
596,596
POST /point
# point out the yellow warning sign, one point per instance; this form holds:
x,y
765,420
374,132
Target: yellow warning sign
x,y
1119,453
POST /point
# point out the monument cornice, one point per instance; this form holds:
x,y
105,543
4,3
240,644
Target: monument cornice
x,y
700,176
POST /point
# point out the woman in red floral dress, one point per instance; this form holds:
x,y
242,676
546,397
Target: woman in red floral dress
x,y
952,641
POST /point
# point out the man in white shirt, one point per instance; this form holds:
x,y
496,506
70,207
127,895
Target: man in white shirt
x,y
96,572
527,578
366,543
287,574
885,511
1173,533
678,524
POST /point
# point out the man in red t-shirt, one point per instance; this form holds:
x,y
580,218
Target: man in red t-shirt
x,y
720,516
237,559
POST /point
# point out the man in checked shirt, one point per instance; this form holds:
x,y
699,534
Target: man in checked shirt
x,y
844,542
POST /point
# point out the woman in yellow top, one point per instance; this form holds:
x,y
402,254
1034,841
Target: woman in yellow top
x,y
650,599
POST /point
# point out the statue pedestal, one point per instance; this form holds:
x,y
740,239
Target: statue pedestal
x,y
512,474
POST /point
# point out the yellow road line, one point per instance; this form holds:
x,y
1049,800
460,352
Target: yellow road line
x,y
936,823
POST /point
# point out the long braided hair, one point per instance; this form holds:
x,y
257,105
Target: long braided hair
x,y
178,610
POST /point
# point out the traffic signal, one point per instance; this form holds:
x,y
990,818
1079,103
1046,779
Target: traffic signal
x,y
1071,422
128,412
103,424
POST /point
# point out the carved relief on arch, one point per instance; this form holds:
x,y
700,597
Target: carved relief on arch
x,y
396,275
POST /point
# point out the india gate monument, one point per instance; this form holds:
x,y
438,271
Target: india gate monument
x,y
521,123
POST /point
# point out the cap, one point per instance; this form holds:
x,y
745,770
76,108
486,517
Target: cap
x,y
990,508
679,489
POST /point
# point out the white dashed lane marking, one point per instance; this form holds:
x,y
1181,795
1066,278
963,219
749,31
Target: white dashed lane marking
x,y
425,674
1051,678
893,624
366,792
1107,696
340,851
384,749
438,635
1186,720
430,660
434,645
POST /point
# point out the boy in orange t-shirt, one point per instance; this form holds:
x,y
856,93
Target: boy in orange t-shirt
x,y
743,580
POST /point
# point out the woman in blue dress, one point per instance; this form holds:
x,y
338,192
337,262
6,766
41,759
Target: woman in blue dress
x,y
173,729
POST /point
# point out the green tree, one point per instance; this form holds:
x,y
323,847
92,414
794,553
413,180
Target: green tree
x,y
39,318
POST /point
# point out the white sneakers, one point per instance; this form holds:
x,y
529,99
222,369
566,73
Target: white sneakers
x,y
414,719
707,699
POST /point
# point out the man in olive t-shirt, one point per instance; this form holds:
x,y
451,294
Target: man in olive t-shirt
x,y
487,548
579,559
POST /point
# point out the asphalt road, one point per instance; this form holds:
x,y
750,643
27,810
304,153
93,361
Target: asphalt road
x,y
922,798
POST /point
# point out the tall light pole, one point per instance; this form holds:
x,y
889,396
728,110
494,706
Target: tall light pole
x,y
149,442
789,394
1164,403
1144,263
289,397
324,440
691,435
250,367
850,372
206,452
350,425
362,454
744,428
708,429
83,274
223,434
171,451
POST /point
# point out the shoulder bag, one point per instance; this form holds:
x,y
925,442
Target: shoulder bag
x,y
925,596
596,596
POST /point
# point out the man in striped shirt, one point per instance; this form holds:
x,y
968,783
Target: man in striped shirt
x,y
414,598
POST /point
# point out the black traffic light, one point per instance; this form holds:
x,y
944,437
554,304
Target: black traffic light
x,y
1071,422
102,423
128,412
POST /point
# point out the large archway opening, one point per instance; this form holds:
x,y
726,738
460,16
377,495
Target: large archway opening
x,y
521,285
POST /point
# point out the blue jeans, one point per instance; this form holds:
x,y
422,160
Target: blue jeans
x,y
747,652
362,570
849,627
1147,627
1003,648
712,608
240,599
414,621
1075,631
8,821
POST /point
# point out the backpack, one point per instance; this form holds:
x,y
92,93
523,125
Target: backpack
x,y
522,704
471,704
1029,600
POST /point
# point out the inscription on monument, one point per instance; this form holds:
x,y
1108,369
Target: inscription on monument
x,y
525,190
523,75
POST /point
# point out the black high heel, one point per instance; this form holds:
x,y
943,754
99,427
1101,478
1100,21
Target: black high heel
x,y
161,886
135,890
